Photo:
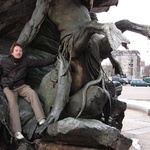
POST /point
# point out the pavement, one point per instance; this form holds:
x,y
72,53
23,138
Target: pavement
x,y
136,124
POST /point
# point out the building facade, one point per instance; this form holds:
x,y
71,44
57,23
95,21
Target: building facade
x,y
129,61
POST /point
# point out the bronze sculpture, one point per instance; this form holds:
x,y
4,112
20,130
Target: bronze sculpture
x,y
76,29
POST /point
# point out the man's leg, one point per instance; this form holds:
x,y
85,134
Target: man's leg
x,y
30,95
12,98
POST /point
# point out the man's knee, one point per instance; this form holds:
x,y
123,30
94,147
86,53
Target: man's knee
x,y
33,95
29,90
30,94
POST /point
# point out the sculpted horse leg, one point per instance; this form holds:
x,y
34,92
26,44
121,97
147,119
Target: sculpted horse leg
x,y
113,34
125,25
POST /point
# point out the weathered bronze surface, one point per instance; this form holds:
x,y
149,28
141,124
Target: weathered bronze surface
x,y
76,86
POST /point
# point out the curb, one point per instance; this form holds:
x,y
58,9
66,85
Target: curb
x,y
140,105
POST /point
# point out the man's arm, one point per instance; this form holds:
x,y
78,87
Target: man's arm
x,y
37,63
33,25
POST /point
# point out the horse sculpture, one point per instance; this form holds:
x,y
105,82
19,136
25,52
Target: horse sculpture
x,y
83,44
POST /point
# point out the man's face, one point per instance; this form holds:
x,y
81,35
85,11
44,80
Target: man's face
x,y
17,52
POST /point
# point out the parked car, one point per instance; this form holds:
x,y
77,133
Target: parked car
x,y
147,79
118,87
119,79
127,80
139,83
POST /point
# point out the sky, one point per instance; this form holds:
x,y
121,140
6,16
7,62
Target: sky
x,y
137,11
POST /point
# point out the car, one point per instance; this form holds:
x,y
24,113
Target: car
x,y
147,79
119,79
139,83
118,87
127,80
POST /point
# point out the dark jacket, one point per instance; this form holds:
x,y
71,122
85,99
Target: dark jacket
x,y
14,71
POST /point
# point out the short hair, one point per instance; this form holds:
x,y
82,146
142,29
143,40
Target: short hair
x,y
13,45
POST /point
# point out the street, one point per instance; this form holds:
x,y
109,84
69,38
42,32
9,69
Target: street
x,y
135,93
136,124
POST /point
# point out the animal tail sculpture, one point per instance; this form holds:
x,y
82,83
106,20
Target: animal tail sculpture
x,y
93,82
107,107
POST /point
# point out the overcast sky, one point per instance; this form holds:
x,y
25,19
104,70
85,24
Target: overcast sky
x,y
137,11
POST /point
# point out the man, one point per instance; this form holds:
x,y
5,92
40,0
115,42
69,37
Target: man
x,y
14,69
